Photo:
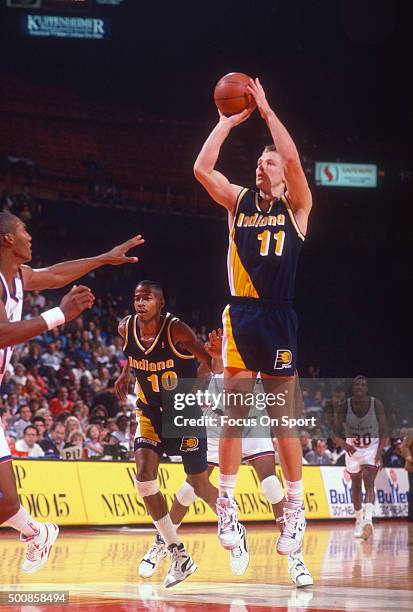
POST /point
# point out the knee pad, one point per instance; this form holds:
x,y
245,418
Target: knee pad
x,y
272,489
146,488
186,494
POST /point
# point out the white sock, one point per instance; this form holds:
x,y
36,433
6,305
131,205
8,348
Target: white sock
x,y
294,491
167,530
226,485
359,514
368,511
23,522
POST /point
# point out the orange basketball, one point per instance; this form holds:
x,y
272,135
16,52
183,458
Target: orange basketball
x,y
231,95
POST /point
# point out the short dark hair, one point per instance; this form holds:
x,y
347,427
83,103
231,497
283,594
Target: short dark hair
x,y
39,419
150,283
29,427
7,222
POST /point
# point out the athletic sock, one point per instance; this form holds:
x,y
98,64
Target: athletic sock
x,y
167,530
294,491
227,484
23,522
368,511
359,515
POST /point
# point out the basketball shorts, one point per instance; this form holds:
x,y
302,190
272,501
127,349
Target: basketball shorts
x,y
251,449
192,449
362,456
260,336
5,454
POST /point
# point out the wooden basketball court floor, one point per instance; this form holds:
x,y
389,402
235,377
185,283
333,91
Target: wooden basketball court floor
x,y
99,569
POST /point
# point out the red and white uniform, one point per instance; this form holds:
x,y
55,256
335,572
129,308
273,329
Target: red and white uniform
x,y
13,303
362,432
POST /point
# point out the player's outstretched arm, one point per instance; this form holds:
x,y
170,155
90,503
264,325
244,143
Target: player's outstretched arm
x,y
72,305
299,193
216,184
183,334
64,273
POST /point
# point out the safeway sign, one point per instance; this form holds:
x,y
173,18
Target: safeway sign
x,y
331,174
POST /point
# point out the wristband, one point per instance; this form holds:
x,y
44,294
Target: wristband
x,y
53,317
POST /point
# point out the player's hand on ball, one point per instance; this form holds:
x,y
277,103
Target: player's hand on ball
x,y
234,120
76,301
117,255
256,90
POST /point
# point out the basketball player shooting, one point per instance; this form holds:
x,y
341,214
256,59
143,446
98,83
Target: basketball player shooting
x,y
267,227
15,276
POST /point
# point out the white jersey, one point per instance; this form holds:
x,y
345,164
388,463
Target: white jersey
x,y
13,303
363,431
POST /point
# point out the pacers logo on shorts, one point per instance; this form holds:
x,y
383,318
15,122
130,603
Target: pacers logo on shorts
x,y
189,444
283,359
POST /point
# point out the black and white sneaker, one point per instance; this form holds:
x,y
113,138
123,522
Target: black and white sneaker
x,y
239,556
182,565
298,570
153,557
293,526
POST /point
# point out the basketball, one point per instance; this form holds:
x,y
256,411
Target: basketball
x,y
231,95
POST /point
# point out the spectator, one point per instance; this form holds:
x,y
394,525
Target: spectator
x,y
71,424
37,299
65,374
28,447
19,377
53,442
320,454
122,422
61,402
40,424
305,440
393,457
99,414
25,419
50,362
13,403
76,438
93,445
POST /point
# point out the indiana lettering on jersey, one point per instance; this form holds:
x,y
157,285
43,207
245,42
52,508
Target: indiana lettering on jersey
x,y
259,220
150,366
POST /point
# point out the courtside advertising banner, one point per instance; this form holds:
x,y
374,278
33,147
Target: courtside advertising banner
x,y
392,486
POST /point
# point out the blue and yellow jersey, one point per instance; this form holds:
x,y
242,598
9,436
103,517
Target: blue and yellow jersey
x,y
263,249
162,368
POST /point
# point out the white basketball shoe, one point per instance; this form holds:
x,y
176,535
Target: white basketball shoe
x,y
38,547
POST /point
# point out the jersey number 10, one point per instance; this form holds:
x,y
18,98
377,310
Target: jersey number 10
x,y
169,381
265,239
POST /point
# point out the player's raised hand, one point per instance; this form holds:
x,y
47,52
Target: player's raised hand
x,y
76,301
214,345
117,255
257,91
234,120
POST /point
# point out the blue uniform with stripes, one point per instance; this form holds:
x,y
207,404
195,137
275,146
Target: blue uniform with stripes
x,y
260,324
